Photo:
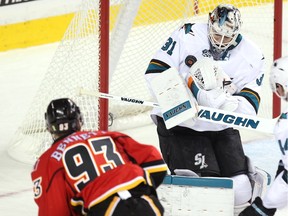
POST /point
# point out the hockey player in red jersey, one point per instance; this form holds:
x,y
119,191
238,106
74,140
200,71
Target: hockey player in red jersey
x,y
94,172
277,194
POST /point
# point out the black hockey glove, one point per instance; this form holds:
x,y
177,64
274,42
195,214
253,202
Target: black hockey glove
x,y
257,209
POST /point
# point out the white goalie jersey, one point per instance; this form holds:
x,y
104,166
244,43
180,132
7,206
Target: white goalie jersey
x,y
244,64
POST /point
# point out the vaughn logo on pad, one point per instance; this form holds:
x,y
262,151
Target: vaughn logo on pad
x,y
176,110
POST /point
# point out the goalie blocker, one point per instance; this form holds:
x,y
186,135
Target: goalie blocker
x,y
174,97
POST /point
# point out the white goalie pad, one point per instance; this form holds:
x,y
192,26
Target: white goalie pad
x,y
174,97
186,196
259,179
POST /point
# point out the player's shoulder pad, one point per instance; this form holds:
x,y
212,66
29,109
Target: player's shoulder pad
x,y
252,53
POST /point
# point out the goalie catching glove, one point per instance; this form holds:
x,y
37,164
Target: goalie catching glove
x,y
211,86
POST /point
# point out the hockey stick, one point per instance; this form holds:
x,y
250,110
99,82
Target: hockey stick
x,y
209,114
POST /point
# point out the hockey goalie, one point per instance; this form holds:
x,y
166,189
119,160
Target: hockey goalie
x,y
213,154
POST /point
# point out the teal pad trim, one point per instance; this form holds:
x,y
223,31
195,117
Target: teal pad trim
x,y
199,182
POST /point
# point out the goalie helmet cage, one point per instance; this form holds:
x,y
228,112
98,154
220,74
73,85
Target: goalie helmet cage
x,y
134,30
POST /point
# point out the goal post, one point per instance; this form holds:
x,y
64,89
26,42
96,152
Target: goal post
x,y
278,16
103,30
107,47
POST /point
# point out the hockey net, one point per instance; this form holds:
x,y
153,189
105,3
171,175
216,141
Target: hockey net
x,y
137,29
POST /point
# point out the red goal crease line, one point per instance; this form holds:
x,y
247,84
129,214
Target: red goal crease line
x,y
9,194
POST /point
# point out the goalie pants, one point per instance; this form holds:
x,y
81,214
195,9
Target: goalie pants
x,y
143,202
208,153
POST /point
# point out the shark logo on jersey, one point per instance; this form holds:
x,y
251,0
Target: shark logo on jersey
x,y
188,28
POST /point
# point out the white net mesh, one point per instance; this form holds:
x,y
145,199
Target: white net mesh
x,y
74,65
142,28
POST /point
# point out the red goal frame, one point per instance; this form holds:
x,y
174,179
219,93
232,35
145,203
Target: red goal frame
x,y
278,16
104,13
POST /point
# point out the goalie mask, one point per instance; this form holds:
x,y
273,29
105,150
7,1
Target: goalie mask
x,y
223,29
63,117
279,76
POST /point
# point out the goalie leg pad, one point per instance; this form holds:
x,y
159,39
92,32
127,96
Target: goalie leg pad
x,y
259,179
277,194
242,189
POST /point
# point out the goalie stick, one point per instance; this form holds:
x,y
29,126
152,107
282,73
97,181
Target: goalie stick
x,y
209,114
